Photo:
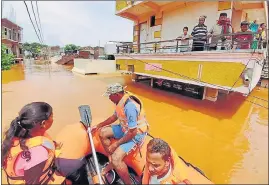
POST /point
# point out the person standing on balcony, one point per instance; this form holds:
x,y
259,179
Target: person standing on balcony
x,y
218,32
254,26
199,34
262,37
185,40
244,38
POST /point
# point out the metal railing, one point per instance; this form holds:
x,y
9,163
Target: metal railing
x,y
234,41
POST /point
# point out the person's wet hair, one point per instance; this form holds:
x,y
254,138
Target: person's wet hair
x,y
29,117
157,145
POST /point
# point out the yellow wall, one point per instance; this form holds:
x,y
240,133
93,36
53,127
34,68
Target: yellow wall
x,y
224,5
218,73
157,34
121,4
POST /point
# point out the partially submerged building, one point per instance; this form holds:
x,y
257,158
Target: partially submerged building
x,y
156,52
12,35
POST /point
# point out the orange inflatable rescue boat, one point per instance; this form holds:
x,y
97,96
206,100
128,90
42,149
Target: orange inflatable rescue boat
x,y
76,146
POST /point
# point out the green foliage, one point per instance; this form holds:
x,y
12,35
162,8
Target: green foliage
x,y
71,48
34,48
7,59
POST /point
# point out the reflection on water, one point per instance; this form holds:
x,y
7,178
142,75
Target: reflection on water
x,y
15,74
228,139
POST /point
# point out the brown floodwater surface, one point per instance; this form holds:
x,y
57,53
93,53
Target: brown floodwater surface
x,y
227,139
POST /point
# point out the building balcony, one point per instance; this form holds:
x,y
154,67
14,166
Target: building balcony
x,y
135,10
178,45
5,37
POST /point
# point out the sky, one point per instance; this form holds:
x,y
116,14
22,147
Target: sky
x,y
83,23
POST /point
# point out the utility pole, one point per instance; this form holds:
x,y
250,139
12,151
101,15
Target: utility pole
x,y
99,49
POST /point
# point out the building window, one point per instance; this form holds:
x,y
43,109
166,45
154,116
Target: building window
x,y
152,21
5,32
20,50
19,38
6,51
14,34
118,66
9,34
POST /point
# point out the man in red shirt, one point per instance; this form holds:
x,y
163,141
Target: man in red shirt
x,y
244,38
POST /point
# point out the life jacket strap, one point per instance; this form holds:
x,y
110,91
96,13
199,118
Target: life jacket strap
x,y
50,171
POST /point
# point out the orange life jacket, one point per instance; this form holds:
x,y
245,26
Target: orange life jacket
x,y
181,173
142,124
49,176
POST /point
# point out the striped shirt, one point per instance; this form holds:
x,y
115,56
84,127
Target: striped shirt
x,y
199,34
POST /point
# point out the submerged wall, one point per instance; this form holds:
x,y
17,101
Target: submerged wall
x,y
89,66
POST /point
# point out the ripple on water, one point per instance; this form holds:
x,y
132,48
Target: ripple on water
x,y
228,139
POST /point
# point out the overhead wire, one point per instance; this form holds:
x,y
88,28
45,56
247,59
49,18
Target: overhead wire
x,y
36,22
39,21
41,34
256,98
243,72
32,21
40,25
193,79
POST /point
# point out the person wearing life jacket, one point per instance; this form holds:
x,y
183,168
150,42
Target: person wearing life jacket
x,y
129,133
163,166
28,153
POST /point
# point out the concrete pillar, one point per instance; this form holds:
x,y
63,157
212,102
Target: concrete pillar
x,y
136,35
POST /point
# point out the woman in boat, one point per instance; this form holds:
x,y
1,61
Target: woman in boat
x,y
28,153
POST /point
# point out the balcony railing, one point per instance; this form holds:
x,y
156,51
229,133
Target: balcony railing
x,y
15,39
223,42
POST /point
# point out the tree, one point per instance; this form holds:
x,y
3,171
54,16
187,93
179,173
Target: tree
x,y
34,48
71,48
7,59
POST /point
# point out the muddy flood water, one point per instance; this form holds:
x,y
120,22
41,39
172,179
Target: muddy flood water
x,y
227,139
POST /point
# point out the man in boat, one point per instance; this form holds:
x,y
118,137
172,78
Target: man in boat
x,y
163,166
129,133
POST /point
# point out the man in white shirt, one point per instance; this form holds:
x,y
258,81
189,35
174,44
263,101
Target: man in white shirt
x,y
223,27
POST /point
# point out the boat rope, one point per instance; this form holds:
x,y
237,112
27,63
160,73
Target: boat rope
x,y
202,82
